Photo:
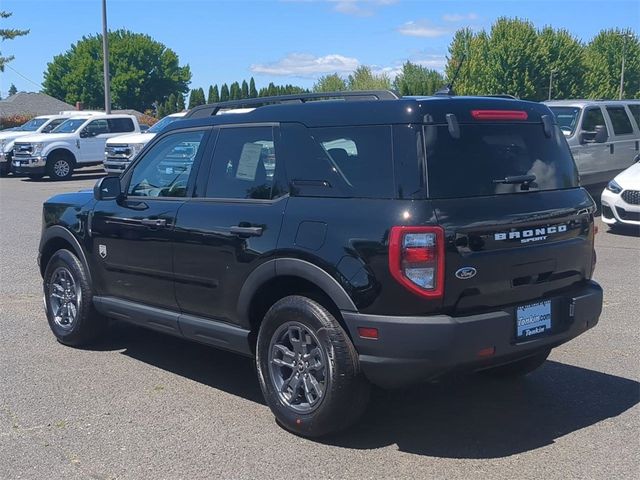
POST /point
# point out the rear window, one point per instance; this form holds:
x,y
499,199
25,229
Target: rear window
x,y
485,154
619,120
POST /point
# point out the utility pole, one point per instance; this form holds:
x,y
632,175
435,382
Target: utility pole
x,y
105,55
551,82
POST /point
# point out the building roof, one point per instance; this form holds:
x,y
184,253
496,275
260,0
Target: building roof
x,y
32,103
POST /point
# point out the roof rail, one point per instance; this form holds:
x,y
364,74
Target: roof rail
x,y
213,108
501,95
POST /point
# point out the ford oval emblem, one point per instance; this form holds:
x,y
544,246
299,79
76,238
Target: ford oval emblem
x,y
466,273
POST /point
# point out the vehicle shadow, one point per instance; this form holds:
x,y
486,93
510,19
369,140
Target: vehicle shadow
x,y
93,174
461,417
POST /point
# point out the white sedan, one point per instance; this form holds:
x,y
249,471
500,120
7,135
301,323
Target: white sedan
x,y
621,198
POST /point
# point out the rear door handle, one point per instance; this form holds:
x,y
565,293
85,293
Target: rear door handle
x,y
154,222
246,231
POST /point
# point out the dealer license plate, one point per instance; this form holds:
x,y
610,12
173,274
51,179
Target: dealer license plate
x,y
533,319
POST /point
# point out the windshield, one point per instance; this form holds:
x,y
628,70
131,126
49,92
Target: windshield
x,y
161,124
489,159
32,125
567,118
69,126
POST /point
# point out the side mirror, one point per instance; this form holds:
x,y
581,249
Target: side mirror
x,y
107,188
601,134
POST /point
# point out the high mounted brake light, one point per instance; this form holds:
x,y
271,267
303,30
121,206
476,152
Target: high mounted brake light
x,y
416,259
499,114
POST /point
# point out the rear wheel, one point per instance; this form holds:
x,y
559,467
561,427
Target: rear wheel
x,y
308,369
69,301
518,368
60,166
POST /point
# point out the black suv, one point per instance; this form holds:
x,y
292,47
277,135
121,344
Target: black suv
x,y
340,239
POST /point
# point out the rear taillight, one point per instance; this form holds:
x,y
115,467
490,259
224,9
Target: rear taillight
x,y
416,259
499,114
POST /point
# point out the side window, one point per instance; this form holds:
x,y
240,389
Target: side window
x,y
244,164
97,127
165,169
635,111
592,117
53,124
620,120
121,125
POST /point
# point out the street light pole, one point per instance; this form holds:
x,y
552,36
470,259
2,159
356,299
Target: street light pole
x,y
105,56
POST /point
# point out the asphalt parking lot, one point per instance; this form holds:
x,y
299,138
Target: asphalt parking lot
x,y
142,405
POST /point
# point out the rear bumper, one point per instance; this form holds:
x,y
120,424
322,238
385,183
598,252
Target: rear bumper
x,y
414,349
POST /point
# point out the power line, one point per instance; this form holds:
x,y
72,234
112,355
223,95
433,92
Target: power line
x,y
21,75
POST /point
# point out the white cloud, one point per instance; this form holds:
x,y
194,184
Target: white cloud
x,y
459,17
307,65
422,28
359,8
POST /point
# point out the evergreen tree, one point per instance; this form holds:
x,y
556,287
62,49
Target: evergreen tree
x,y
12,90
224,93
171,104
160,110
234,91
180,107
253,93
214,95
244,90
193,98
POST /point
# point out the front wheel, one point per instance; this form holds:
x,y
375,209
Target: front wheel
x,y
308,369
60,167
69,301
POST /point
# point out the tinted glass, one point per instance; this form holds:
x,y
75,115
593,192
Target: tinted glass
x,y
362,156
97,127
244,163
53,124
121,125
567,118
620,120
165,169
592,118
470,165
158,126
32,125
69,126
635,111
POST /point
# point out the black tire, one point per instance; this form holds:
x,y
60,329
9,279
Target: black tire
x,y
346,391
60,166
88,325
518,368
4,169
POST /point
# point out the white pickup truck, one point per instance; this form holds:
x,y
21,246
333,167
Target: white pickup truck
x,y
120,151
77,142
40,124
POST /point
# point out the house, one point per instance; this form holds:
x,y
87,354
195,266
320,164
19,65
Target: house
x,y
32,104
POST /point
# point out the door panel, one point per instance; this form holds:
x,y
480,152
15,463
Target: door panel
x,y
623,137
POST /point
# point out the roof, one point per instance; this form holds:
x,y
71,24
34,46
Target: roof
x,y
327,113
32,103
584,102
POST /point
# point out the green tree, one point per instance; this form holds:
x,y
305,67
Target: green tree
x,y
8,34
224,93
253,93
160,110
562,64
603,61
417,80
234,91
193,98
244,89
180,107
330,83
142,71
12,90
171,105
214,94
364,79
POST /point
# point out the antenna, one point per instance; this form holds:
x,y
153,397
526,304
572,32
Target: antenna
x,y
447,90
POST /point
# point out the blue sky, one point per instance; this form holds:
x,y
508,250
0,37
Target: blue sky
x,y
286,41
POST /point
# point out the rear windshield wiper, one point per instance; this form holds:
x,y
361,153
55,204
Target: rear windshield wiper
x,y
524,180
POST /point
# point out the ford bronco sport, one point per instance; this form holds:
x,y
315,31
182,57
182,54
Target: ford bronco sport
x,y
339,239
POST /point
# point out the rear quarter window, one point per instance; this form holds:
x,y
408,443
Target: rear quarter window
x,y
620,120
473,164
635,111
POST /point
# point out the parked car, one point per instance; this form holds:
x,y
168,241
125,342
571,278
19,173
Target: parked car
x,y
621,199
40,124
392,241
77,142
121,150
604,135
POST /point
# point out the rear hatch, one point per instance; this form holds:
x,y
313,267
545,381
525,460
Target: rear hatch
x,y
505,189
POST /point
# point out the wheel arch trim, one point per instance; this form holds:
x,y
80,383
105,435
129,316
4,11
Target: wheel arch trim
x,y
59,232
